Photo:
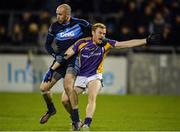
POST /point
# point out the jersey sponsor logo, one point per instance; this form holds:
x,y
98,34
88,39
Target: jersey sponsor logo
x,y
90,55
89,48
69,33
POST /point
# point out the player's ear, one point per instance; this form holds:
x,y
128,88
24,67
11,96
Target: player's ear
x,y
67,17
92,32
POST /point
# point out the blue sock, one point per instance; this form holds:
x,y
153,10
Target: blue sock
x,y
88,121
75,115
51,107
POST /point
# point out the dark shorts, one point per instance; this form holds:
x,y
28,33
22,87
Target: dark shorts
x,y
71,66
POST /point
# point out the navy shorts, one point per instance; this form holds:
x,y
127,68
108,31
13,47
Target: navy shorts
x,y
72,66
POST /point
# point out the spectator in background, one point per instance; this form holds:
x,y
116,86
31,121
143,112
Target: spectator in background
x,y
44,18
146,16
174,6
32,34
131,14
109,6
158,23
78,11
125,33
140,5
25,22
167,35
176,30
141,31
111,27
42,34
17,34
124,11
3,35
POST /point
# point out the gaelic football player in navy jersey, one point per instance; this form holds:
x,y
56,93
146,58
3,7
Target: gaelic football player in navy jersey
x,y
91,54
66,31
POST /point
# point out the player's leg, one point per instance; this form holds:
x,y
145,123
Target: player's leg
x,y
45,88
66,102
69,81
72,95
94,87
67,105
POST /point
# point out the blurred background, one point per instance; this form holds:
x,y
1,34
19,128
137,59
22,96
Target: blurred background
x,y
148,70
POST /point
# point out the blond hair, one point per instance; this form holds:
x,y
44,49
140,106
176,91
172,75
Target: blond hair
x,y
98,25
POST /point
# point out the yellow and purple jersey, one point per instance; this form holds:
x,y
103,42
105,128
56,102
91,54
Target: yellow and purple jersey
x,y
91,56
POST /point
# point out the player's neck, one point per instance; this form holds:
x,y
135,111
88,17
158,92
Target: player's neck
x,y
67,21
94,41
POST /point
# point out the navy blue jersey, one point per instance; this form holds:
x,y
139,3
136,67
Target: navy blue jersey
x,y
67,34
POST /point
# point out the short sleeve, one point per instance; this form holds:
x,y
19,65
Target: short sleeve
x,y
77,45
80,44
109,45
112,42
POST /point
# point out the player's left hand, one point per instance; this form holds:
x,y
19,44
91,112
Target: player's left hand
x,y
48,75
154,39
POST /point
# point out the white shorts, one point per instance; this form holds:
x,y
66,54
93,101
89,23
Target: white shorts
x,y
82,81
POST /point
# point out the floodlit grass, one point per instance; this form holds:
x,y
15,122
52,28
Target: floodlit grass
x,y
22,111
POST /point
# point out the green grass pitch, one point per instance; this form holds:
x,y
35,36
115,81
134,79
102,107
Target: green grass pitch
x,y
21,112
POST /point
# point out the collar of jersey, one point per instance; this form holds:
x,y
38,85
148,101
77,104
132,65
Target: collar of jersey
x,y
66,23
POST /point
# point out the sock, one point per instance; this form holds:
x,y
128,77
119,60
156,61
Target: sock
x,y
47,98
49,102
88,121
75,115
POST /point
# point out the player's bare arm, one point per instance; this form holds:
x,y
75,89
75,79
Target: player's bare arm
x,y
70,52
67,55
130,43
150,40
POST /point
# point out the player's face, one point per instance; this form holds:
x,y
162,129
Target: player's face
x,y
61,15
98,35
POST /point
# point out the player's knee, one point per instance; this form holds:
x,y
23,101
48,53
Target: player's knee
x,y
44,87
68,84
64,98
65,101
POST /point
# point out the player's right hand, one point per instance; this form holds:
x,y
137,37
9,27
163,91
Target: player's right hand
x,y
48,75
59,58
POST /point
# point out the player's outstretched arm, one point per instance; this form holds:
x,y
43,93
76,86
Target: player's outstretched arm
x,y
69,52
67,55
130,43
152,39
